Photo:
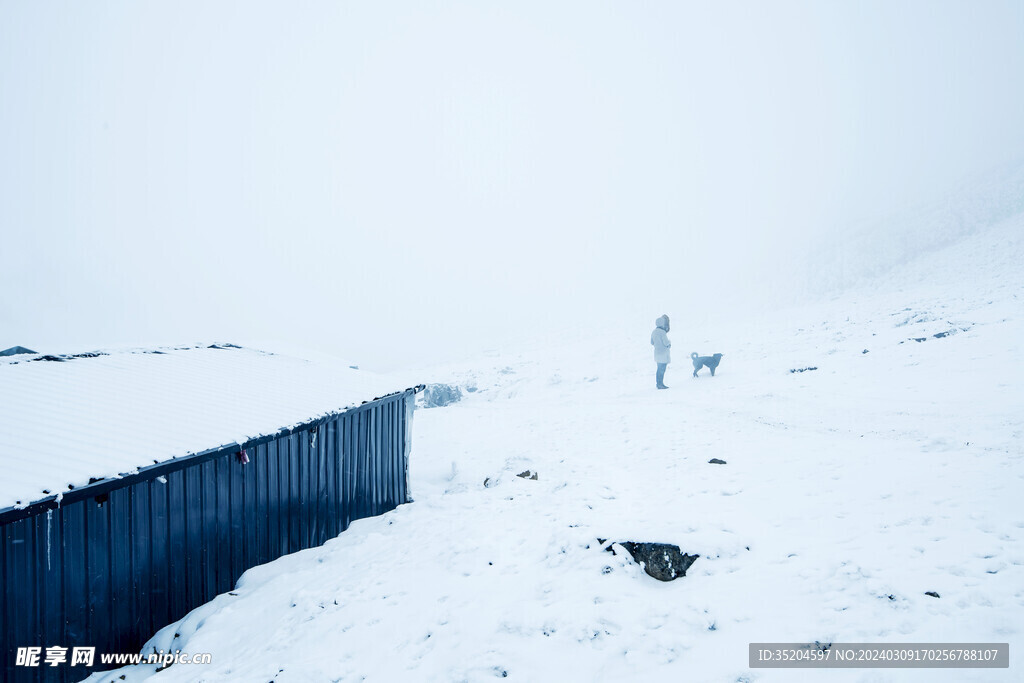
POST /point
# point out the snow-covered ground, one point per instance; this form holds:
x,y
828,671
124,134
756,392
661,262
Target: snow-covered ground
x,y
893,469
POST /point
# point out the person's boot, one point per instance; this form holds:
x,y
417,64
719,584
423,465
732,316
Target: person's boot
x,y
663,387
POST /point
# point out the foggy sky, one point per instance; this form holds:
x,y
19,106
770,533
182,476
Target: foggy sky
x,y
405,182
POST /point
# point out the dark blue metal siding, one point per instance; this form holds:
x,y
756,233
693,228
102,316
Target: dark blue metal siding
x,y
110,570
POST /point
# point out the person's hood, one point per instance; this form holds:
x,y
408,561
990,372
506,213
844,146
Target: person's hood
x,y
662,322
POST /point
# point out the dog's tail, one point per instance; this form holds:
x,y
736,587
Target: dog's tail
x,y
694,355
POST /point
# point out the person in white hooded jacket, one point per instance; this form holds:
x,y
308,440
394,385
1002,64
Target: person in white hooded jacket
x,y
661,344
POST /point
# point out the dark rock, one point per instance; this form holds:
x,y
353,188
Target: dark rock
x,y
527,474
440,395
716,461
932,594
662,561
487,483
864,351
15,350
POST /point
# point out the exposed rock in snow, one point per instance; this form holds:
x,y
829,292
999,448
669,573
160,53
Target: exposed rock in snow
x,y
716,461
528,474
662,561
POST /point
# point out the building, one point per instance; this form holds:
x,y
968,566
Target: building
x,y
137,485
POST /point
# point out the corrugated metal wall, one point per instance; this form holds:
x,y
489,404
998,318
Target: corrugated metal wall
x,y
110,569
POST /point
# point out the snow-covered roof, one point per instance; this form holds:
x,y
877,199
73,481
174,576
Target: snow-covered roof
x,y
67,419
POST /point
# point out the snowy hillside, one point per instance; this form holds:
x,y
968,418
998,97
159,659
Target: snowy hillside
x,y
891,466
849,257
